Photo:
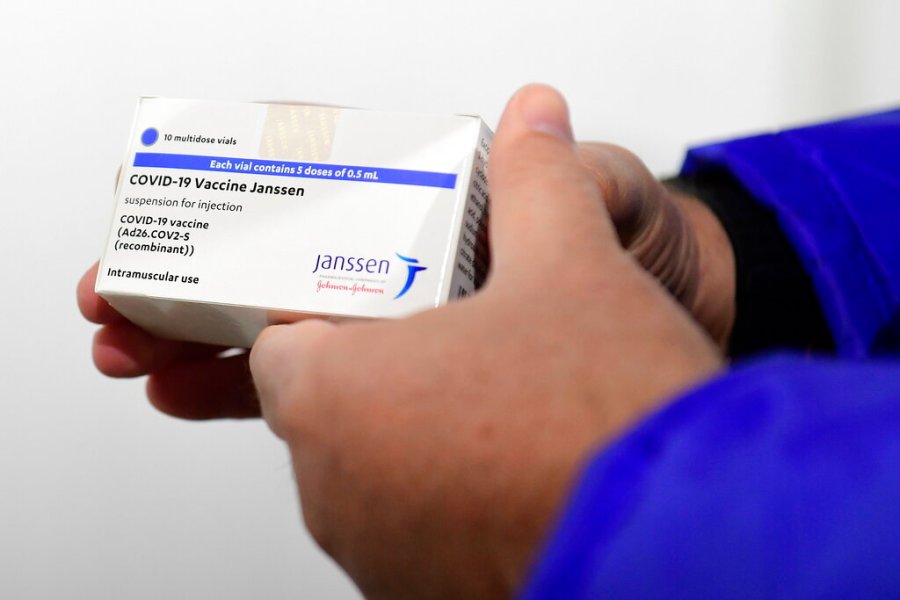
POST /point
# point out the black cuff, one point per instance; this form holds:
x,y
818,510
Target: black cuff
x,y
776,306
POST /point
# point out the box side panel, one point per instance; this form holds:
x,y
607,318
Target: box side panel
x,y
473,257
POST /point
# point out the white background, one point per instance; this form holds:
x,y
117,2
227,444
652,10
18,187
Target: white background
x,y
101,496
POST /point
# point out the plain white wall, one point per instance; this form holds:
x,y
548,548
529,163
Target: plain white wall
x,y
101,496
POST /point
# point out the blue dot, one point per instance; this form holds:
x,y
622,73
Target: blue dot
x,y
149,137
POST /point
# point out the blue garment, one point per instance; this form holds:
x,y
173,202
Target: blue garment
x,y
781,477
835,189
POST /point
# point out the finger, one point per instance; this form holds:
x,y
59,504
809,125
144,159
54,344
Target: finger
x,y
649,223
93,307
631,193
545,206
280,364
122,349
214,388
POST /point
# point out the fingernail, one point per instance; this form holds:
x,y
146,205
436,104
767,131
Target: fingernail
x,y
544,109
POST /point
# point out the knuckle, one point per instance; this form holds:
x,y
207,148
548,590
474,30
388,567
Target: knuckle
x,y
290,369
261,348
316,524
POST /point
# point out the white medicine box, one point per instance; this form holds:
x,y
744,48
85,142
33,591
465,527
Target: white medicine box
x,y
232,216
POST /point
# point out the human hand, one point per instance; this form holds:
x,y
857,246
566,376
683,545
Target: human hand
x,y
431,453
676,238
187,380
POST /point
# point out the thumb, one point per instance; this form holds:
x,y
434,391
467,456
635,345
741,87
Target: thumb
x,y
280,363
546,209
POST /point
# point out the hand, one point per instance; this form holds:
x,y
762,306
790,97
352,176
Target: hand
x,y
431,453
187,380
676,238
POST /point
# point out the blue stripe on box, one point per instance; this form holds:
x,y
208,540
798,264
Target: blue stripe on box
x,y
253,166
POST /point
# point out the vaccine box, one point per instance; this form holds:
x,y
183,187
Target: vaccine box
x,y
233,216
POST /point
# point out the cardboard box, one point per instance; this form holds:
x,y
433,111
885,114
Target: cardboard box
x,y
232,216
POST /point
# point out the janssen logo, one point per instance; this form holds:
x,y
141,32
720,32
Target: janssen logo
x,y
372,266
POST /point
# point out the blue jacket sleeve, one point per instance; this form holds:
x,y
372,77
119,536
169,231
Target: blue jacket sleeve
x,y
780,478
835,190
